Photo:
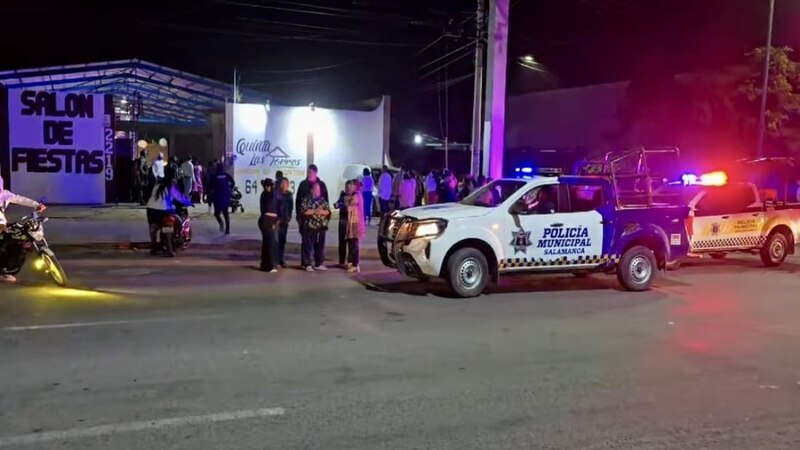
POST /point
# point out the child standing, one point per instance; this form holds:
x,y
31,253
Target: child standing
x,y
353,202
316,213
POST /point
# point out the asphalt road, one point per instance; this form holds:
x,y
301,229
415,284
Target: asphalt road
x,y
204,352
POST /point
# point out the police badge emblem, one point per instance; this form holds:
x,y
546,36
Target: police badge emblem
x,y
715,229
521,240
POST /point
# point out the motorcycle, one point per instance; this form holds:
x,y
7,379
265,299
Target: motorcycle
x,y
23,236
176,231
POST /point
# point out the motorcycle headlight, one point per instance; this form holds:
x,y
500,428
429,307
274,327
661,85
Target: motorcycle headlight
x,y
430,228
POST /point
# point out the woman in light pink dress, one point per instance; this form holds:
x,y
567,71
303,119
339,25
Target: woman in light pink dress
x,y
197,186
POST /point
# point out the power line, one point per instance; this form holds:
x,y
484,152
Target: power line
x,y
446,55
447,63
306,70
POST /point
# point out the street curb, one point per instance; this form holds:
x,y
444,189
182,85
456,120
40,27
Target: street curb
x,y
253,245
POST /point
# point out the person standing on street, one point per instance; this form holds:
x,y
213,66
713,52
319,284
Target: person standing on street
x,y
355,225
211,170
385,190
268,223
158,167
339,205
304,191
285,209
221,184
367,186
197,186
187,176
408,191
432,188
316,213
142,172
397,181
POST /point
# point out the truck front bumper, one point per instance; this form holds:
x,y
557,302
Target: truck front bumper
x,y
411,258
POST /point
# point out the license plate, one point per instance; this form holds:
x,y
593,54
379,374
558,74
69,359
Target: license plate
x,y
167,230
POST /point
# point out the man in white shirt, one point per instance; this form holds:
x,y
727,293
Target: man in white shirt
x,y
158,167
7,198
385,190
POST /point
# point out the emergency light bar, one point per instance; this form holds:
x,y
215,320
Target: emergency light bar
x,y
717,178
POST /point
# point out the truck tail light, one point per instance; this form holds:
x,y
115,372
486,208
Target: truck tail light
x,y
690,226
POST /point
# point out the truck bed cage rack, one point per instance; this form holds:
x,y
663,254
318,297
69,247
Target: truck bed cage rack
x,y
632,174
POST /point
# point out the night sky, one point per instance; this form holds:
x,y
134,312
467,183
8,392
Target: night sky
x,y
339,53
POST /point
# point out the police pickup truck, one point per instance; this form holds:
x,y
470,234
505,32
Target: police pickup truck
x,y
738,217
570,224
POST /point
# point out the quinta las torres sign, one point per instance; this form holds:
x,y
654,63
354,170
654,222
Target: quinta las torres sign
x,y
259,153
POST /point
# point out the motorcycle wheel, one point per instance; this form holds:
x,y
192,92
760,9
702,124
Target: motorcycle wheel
x,y
53,268
169,244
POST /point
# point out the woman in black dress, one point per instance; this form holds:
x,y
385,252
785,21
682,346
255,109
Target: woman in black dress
x,y
268,222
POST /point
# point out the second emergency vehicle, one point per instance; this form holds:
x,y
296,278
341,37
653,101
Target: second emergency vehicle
x,y
738,217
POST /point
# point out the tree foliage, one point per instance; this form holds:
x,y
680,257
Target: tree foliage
x,y
783,89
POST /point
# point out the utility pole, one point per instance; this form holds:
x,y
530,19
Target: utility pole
x,y
494,125
477,105
235,86
767,56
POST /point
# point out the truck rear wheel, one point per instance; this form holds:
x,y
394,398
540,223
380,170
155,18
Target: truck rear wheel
x,y
774,252
637,268
467,272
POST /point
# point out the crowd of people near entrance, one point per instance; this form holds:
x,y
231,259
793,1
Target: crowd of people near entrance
x,y
311,207
409,188
163,183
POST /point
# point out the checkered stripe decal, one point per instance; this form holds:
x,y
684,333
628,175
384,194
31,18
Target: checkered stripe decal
x,y
734,242
514,263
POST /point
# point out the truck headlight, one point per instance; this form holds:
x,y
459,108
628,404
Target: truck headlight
x,y
430,228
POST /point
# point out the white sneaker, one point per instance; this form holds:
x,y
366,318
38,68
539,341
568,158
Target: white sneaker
x,y
273,271
321,268
309,269
8,279
354,269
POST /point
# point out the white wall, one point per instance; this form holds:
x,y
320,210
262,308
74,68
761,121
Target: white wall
x,y
262,143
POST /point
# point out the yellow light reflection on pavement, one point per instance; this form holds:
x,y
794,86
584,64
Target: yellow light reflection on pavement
x,y
74,295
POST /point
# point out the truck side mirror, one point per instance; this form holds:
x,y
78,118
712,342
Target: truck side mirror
x,y
518,207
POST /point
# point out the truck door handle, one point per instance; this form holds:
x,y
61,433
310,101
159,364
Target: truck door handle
x,y
556,225
756,214
726,217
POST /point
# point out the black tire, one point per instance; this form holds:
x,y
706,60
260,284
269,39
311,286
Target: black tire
x,y
775,250
637,269
467,272
53,268
719,255
169,244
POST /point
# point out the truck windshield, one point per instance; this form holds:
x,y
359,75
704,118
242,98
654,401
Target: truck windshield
x,y
493,194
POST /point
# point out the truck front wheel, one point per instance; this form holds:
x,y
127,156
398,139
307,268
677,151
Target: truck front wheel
x,y
468,272
637,268
774,252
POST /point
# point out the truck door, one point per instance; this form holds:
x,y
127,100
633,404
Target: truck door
x,y
549,229
727,217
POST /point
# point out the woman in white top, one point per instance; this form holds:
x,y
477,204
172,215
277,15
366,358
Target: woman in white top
x,y
162,203
408,191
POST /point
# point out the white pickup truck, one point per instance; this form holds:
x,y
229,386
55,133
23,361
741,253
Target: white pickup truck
x,y
738,217
545,224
